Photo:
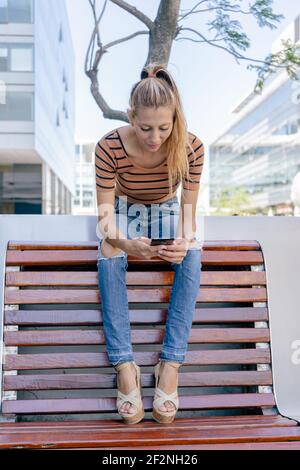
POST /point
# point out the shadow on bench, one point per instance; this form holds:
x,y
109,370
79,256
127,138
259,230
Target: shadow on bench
x,y
59,388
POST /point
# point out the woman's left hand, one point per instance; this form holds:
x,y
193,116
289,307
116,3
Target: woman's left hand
x,y
176,252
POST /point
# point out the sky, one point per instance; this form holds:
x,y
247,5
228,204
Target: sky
x,y
209,79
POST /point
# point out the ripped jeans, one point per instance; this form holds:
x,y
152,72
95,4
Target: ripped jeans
x,y
155,221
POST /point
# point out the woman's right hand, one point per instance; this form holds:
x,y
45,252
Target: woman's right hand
x,y
140,247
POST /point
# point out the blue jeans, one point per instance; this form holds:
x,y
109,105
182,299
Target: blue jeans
x,y
154,221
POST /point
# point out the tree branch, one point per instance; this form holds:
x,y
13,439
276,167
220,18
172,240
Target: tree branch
x,y
134,11
260,9
118,41
288,58
236,54
189,12
95,33
93,59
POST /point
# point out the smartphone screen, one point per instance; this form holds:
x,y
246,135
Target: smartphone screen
x,y
162,241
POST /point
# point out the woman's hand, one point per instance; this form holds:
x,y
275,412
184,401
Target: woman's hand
x,y
140,247
176,252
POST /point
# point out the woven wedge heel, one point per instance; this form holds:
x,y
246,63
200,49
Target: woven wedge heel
x,y
134,397
160,397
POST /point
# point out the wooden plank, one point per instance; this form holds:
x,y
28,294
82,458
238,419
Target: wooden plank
x,y
288,445
196,421
147,336
151,316
50,245
70,296
253,420
90,405
133,278
102,381
86,360
133,437
213,258
89,257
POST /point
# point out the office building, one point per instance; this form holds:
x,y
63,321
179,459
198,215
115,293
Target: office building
x,y
259,153
37,173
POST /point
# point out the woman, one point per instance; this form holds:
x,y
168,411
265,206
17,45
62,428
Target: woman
x,y
138,170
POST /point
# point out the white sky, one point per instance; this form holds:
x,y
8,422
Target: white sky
x,y
209,79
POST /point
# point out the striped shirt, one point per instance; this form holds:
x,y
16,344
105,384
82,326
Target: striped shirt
x,y
115,169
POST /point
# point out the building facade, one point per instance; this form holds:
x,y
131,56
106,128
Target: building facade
x,y
259,154
37,111
84,202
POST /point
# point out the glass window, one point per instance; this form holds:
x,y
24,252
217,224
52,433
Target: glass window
x,y
20,11
18,107
3,59
16,58
16,11
21,189
3,11
21,58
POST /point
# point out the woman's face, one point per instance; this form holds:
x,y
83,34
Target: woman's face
x,y
153,127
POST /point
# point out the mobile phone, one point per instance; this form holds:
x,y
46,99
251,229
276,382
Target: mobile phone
x,y
162,241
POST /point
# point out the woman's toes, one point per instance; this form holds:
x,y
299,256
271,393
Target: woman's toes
x,y
167,406
128,408
163,408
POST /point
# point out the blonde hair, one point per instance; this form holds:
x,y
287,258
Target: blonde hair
x,y
161,90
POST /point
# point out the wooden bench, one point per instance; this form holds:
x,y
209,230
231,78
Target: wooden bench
x,y
58,388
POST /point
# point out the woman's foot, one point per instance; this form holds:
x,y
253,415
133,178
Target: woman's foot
x,y
168,380
127,383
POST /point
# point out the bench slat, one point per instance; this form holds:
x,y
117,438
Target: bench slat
x,y
151,278
197,421
238,420
86,257
286,445
78,360
162,294
89,405
48,245
154,336
99,381
132,436
152,316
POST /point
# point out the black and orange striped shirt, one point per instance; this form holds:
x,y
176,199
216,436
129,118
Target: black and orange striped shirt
x,y
115,169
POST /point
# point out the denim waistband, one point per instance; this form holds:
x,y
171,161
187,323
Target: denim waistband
x,y
172,200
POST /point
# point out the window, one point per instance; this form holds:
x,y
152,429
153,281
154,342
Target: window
x,y
16,11
3,11
21,189
16,58
21,58
3,59
18,106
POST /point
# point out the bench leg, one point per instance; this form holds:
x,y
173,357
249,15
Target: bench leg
x,y
184,293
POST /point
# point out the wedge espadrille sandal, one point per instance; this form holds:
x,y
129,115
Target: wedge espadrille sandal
x,y
160,397
134,397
